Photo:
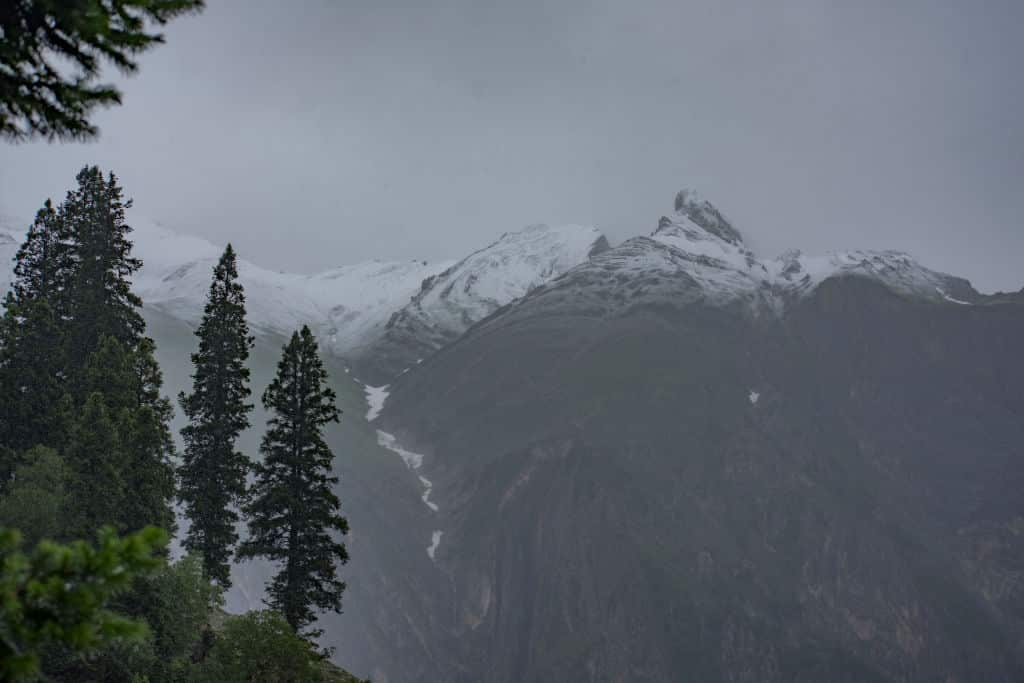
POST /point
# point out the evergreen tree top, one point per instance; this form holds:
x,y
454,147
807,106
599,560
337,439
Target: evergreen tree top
x,y
42,263
225,276
301,372
51,54
101,296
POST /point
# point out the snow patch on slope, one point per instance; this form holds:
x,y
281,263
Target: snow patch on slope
x,y
375,398
947,297
414,461
427,488
435,540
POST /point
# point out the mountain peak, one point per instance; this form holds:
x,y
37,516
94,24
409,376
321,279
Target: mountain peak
x,y
472,289
695,254
703,213
700,234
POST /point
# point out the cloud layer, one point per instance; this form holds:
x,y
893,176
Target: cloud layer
x,y
321,133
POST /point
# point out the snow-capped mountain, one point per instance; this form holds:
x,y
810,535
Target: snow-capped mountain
x,y
499,273
348,305
387,315
353,308
698,256
731,430
472,289
365,309
721,261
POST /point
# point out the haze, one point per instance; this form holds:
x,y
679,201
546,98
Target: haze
x,y
321,133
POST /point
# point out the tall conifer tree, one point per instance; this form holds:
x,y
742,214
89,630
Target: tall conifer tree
x,y
100,299
294,515
31,340
110,366
213,474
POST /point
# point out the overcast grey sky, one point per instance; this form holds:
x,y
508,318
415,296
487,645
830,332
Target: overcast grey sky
x,y
315,133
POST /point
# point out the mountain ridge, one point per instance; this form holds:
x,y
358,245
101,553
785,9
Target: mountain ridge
x,y
488,279
375,307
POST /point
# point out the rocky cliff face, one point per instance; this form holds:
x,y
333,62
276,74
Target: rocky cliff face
x,y
674,463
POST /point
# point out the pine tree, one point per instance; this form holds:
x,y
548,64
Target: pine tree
x,y
77,373
100,300
31,340
108,359
293,514
213,473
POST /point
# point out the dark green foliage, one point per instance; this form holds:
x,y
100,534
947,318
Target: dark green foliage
x,y
43,262
108,372
149,446
98,470
100,300
294,515
31,332
71,291
76,372
34,501
39,94
31,376
59,595
72,327
260,647
84,445
176,603
213,471
119,447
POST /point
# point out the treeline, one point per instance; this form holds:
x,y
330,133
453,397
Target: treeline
x,y
89,474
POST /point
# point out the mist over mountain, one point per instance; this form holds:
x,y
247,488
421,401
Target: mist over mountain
x,y
666,459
